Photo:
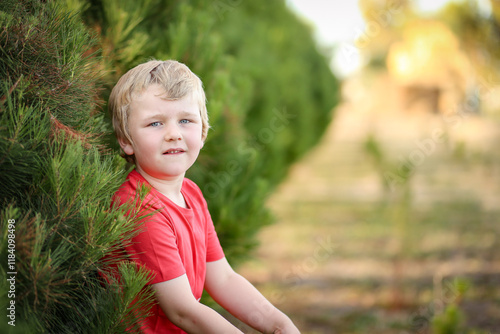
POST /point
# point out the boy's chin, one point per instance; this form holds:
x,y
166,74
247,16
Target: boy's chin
x,y
162,175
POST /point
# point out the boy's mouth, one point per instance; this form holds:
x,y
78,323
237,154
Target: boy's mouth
x,y
174,151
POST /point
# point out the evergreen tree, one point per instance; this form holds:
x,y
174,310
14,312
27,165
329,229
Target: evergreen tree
x,y
56,221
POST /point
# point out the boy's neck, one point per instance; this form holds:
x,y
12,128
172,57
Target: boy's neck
x,y
171,188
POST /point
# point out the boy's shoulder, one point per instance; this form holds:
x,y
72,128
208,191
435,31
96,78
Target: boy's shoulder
x,y
190,189
188,184
132,184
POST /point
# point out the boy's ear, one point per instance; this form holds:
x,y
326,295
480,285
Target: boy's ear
x,y
203,139
126,146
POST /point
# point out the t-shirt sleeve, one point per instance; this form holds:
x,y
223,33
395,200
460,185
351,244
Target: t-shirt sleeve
x,y
155,248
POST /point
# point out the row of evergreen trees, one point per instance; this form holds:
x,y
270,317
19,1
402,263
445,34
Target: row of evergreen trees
x,y
270,96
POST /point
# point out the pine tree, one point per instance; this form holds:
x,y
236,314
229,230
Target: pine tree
x,y
57,222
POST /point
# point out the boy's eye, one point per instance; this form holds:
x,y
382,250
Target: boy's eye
x,y
155,124
185,121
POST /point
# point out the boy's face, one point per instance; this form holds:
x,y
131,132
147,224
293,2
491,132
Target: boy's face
x,y
166,135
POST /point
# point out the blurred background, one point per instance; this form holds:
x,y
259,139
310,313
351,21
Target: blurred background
x,y
390,224
352,170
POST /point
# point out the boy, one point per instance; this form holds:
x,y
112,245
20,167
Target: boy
x,y
160,119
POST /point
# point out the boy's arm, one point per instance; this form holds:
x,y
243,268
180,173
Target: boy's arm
x,y
183,310
244,301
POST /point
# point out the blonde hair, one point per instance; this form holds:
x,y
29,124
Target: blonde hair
x,y
175,78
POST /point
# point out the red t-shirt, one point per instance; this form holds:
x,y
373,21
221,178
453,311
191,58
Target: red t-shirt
x,y
172,242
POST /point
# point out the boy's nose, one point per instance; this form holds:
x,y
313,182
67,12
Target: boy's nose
x,y
172,133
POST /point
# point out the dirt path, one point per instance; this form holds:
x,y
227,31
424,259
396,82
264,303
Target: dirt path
x,y
333,258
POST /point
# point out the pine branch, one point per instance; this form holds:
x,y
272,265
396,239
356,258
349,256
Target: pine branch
x,y
11,89
59,128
